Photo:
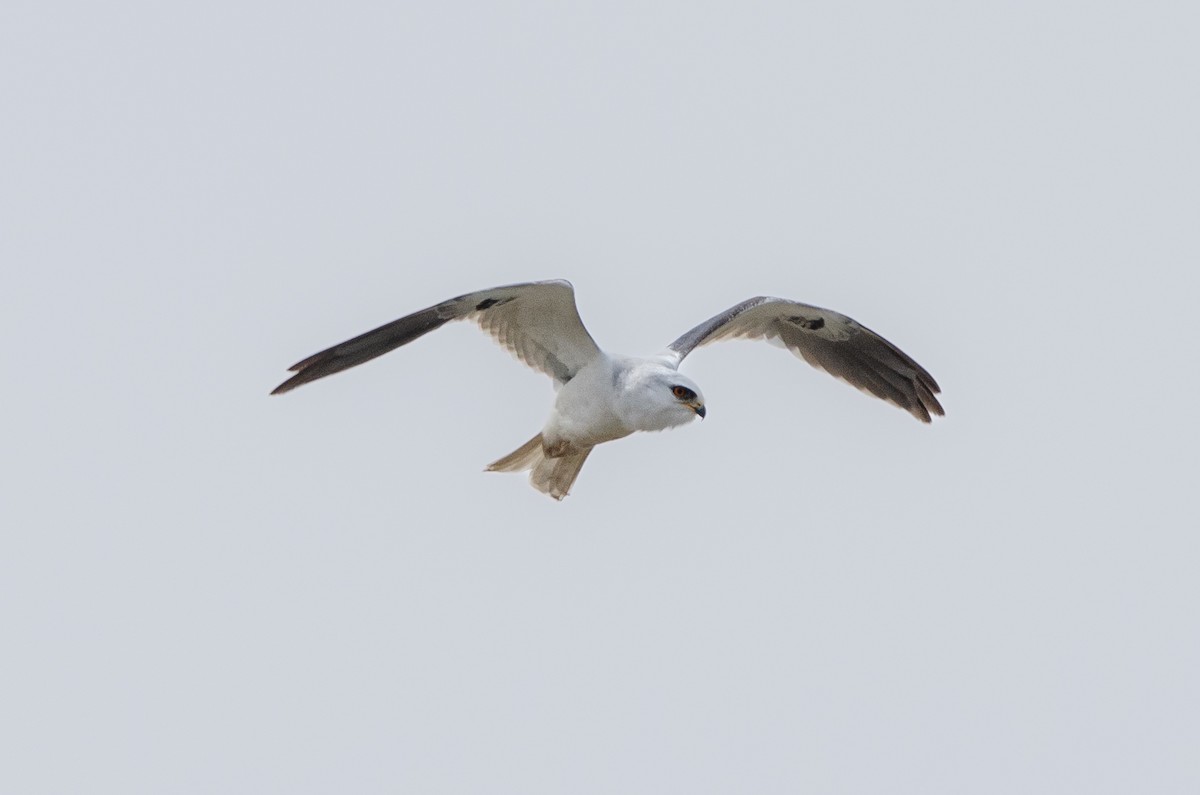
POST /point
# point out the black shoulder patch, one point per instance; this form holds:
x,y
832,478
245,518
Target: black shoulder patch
x,y
808,324
487,303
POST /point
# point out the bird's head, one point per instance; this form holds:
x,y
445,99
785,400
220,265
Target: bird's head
x,y
659,397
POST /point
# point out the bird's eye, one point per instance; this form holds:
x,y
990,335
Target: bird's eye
x,y
682,392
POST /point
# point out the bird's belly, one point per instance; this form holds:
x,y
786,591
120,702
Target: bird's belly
x,y
582,418
585,431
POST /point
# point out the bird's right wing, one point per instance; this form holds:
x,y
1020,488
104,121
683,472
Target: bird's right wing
x,y
536,321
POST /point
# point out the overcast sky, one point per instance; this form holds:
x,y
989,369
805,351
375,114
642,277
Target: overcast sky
x,y
205,589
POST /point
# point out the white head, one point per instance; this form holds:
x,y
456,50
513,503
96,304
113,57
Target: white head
x,y
656,397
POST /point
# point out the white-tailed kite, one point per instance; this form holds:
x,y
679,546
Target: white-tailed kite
x,y
603,396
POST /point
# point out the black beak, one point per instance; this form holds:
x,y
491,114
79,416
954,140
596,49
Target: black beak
x,y
700,410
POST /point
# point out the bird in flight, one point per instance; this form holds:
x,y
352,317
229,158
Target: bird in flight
x,y
604,396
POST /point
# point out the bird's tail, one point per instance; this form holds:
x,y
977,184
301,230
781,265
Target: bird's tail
x,y
549,475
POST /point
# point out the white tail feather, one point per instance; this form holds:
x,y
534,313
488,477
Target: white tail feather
x,y
553,476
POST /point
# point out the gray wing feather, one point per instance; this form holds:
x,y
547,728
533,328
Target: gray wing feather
x,y
536,321
828,340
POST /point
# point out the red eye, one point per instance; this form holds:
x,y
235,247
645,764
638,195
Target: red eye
x,y
681,392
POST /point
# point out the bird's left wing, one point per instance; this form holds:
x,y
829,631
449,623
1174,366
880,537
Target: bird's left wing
x,y
536,321
828,340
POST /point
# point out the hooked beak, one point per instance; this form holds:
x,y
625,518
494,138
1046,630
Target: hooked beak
x,y
698,408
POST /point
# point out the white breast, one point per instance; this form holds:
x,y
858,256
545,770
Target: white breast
x,y
585,412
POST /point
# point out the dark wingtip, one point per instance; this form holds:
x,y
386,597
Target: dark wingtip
x,y
925,394
925,412
309,373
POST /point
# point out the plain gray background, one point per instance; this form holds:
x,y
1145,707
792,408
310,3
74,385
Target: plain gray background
x,y
203,589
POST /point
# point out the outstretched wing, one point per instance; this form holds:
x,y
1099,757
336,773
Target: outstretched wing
x,y
536,321
828,340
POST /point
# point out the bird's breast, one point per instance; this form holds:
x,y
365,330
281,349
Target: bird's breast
x,y
585,410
